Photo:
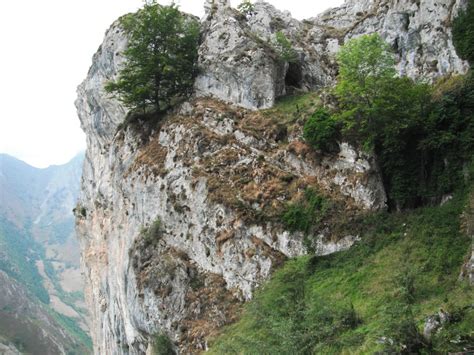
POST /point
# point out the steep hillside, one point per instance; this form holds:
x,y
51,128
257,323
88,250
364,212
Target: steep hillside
x,y
30,325
39,252
398,290
183,215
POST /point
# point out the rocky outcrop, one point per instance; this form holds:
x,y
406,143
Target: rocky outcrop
x,y
179,220
419,32
8,348
235,64
434,323
215,186
239,60
217,178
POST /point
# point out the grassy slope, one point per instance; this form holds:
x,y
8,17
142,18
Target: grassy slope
x,y
18,254
405,269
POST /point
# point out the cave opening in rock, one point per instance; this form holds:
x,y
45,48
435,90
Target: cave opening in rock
x,y
293,77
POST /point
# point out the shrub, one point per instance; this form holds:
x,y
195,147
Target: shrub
x,y
321,131
401,333
79,211
306,213
163,345
406,286
285,49
246,7
153,232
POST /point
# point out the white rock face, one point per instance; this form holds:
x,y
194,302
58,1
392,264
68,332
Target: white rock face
x,y
208,173
137,288
236,67
418,31
239,61
187,173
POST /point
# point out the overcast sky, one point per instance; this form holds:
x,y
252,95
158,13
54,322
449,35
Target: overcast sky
x,y
46,50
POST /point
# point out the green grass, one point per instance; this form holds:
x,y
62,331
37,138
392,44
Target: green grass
x,y
289,109
405,269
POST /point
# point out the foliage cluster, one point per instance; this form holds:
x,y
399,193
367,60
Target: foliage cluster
x,y
463,33
163,345
421,136
363,300
321,131
246,7
305,213
160,58
153,233
285,49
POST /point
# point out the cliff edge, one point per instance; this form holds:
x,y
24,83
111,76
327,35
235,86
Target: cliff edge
x,y
179,220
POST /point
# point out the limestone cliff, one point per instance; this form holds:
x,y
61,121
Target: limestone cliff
x,y
179,221
239,63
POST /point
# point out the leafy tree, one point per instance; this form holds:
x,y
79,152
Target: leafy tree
x,y
422,136
366,69
448,141
463,33
160,57
384,112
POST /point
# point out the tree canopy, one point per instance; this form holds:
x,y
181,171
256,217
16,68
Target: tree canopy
x,y
463,33
366,71
421,135
160,58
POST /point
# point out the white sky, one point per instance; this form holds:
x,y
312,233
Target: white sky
x,y
46,50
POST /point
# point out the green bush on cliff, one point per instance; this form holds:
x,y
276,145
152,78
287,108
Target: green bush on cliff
x,y
162,345
321,131
285,49
422,136
160,58
305,213
246,7
152,233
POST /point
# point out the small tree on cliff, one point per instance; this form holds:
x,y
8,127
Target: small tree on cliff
x,y
160,57
366,71
384,112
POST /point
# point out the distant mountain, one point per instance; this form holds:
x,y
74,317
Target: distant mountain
x,y
39,256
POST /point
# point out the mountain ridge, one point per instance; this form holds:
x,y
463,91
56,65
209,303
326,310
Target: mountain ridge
x,y
40,256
